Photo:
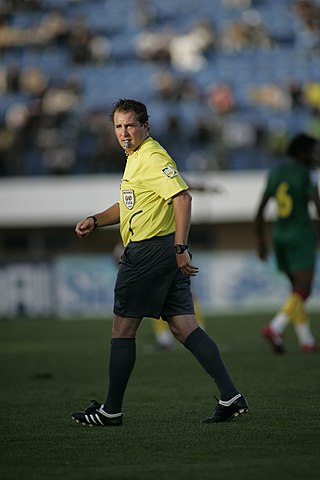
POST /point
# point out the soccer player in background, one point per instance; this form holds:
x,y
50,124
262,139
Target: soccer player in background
x,y
293,185
153,279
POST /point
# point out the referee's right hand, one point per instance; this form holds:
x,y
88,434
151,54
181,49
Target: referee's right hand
x,y
185,264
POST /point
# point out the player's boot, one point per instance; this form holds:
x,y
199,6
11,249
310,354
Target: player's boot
x,y
309,347
223,413
274,338
95,416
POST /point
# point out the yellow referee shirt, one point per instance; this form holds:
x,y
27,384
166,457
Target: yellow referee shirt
x,y
149,182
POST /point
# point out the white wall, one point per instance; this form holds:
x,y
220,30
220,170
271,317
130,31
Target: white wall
x,y
62,201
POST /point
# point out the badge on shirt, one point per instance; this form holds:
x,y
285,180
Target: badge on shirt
x,y
169,171
128,198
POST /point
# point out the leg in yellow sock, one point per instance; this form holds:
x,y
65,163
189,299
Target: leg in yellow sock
x,y
293,310
164,338
198,312
273,332
283,317
303,331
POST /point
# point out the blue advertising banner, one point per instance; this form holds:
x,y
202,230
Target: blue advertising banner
x,y
26,289
238,281
82,286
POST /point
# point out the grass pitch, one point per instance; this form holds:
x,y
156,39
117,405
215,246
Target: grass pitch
x,y
49,368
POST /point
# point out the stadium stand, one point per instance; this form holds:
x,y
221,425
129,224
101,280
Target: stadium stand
x,y
226,81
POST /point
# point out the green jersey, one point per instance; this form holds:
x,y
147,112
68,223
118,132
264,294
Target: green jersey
x,y
294,239
291,185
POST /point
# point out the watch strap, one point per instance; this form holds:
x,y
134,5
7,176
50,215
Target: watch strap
x,y
95,221
180,247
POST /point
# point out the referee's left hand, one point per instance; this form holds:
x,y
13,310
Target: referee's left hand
x,y
185,264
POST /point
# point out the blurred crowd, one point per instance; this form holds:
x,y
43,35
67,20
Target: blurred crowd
x,y
215,117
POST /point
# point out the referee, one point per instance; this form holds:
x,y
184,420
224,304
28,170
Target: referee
x,y
153,279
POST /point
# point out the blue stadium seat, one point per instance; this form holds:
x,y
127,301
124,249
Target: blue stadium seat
x,y
126,75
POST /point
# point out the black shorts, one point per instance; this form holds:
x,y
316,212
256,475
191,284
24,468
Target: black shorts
x,y
149,282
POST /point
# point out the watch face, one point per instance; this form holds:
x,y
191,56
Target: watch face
x,y
180,248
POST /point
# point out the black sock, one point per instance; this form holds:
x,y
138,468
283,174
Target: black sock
x,y
208,355
121,363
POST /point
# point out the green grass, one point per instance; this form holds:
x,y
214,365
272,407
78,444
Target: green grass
x,y
49,368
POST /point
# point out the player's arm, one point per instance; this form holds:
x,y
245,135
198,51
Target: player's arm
x,y
315,199
182,215
260,228
110,216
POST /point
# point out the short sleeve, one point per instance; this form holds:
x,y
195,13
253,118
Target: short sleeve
x,y
161,176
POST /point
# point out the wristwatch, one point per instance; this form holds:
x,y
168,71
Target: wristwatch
x,y
95,221
180,248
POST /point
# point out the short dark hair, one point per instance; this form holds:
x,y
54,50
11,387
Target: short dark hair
x,y
129,105
300,143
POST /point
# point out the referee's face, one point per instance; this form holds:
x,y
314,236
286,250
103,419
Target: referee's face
x,y
129,131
